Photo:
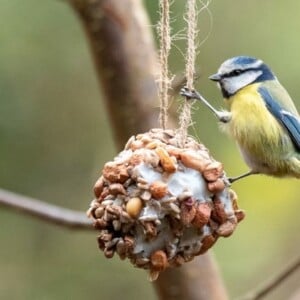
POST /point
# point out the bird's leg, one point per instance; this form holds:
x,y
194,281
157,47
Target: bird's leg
x,y
222,116
233,179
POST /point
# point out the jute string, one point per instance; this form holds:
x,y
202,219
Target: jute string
x,y
185,117
164,80
165,46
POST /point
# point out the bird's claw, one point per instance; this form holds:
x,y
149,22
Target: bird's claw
x,y
190,94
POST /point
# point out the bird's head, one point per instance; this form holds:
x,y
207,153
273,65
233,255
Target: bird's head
x,y
240,71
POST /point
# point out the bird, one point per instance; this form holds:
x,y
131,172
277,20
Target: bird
x,y
261,117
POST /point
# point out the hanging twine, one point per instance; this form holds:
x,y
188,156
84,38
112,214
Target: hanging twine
x,y
165,46
185,116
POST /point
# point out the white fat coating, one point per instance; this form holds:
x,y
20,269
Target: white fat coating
x,y
224,196
188,180
148,173
144,247
150,213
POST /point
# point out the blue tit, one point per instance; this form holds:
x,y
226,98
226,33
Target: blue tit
x,y
261,117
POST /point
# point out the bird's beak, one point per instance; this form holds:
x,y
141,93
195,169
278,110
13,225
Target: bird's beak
x,y
215,77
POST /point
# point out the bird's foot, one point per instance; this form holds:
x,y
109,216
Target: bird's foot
x,y
190,94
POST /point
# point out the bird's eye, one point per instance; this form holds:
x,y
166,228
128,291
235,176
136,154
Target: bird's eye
x,y
236,72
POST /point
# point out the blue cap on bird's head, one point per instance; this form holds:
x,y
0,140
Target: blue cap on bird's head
x,y
240,71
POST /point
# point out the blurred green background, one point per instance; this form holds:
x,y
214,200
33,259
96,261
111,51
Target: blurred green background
x,y
55,136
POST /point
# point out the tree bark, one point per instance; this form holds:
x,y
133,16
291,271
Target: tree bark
x,y
125,60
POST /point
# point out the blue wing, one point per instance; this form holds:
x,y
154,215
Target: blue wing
x,y
289,120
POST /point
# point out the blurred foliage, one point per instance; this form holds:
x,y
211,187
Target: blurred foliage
x,y
52,128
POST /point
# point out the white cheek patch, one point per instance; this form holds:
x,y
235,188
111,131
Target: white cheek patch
x,y
233,84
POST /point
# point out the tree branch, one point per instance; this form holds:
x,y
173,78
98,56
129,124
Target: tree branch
x,y
126,63
46,212
273,283
125,60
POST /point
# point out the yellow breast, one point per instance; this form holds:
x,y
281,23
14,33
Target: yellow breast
x,y
252,125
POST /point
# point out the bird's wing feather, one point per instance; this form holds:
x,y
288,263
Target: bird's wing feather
x,y
287,118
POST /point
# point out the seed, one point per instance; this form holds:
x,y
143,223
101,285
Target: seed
x,y
114,210
134,207
174,151
127,183
213,171
216,186
116,224
233,194
125,217
129,142
136,159
166,161
107,202
143,186
109,253
137,144
171,250
191,160
90,212
178,261
100,224
112,243
151,158
98,187
184,195
168,200
207,242
129,243
159,260
187,214
146,196
240,215
146,139
158,189
116,188
115,173
141,180
218,212
227,228
155,130
153,275
99,212
157,222
107,216
174,208
121,248
152,145
105,237
104,194
202,215
141,261
150,229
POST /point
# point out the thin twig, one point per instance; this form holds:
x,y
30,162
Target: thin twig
x,y
46,212
273,283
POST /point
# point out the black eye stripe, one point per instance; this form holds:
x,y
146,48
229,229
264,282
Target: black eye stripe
x,y
238,72
235,73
